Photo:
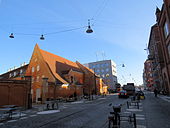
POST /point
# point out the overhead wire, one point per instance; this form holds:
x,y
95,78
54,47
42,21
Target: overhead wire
x,y
64,30
97,14
100,10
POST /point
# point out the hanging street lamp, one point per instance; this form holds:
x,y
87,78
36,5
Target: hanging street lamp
x,y
89,30
42,37
11,35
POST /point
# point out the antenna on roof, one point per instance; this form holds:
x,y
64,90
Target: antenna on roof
x,y
103,55
96,56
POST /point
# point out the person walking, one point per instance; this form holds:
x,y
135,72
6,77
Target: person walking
x,y
155,92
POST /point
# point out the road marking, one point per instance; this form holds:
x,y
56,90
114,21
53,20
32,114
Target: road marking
x,y
19,115
23,118
140,118
11,121
133,110
138,115
33,115
1,123
101,99
48,112
77,102
127,112
141,126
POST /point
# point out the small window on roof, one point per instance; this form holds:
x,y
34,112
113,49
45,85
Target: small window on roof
x,y
14,73
21,71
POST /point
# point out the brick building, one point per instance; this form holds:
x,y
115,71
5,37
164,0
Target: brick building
x,y
159,48
53,76
163,22
148,74
15,73
156,56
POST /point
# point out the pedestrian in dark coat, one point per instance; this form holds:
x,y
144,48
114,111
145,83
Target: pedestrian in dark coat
x,y
155,92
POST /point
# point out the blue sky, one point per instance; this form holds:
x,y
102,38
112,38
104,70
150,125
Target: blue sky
x,y
121,31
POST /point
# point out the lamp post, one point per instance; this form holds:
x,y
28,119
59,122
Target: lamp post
x,y
95,82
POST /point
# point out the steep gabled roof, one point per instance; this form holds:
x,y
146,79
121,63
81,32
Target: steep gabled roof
x,y
84,68
51,60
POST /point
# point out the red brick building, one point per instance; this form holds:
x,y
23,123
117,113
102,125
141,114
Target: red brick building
x,y
54,76
148,74
156,57
159,48
163,22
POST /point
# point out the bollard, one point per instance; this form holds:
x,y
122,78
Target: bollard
x,y
138,104
134,116
127,104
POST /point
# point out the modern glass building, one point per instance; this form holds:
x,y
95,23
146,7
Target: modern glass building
x,y
106,69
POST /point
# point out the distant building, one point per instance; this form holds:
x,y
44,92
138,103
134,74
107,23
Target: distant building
x,y
15,73
106,69
148,74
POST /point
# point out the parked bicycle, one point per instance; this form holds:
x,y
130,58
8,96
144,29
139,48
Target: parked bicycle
x,y
114,119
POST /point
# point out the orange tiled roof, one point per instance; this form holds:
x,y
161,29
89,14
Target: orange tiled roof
x,y
51,61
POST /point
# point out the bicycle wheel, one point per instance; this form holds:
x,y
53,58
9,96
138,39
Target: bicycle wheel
x,y
116,121
111,122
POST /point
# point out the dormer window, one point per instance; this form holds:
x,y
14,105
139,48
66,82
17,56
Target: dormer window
x,y
21,71
14,73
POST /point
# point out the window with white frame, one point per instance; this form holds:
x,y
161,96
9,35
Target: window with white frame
x,y
38,78
14,73
38,67
32,79
10,75
166,29
21,71
32,69
43,76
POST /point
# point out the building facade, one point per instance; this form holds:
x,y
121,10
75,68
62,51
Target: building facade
x,y
15,73
148,74
106,69
159,49
156,56
54,77
163,22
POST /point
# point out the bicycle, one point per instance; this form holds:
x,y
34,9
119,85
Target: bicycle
x,y
114,120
